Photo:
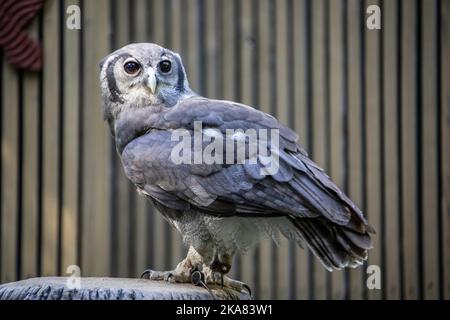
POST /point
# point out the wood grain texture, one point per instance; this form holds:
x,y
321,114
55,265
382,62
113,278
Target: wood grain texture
x,y
408,147
318,150
302,89
95,208
70,206
30,168
355,129
51,165
373,143
247,79
336,113
125,194
429,171
392,267
445,151
371,107
282,68
264,104
10,114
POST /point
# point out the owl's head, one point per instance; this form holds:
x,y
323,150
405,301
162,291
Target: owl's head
x,y
141,75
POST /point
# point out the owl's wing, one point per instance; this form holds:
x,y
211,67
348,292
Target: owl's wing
x,y
299,188
324,217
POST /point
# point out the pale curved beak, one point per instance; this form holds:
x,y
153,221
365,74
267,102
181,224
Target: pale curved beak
x,y
151,80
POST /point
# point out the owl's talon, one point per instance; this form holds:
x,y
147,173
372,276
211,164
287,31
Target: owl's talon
x,y
169,277
197,278
248,289
146,274
235,285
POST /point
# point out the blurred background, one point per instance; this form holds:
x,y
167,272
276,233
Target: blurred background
x,y
371,106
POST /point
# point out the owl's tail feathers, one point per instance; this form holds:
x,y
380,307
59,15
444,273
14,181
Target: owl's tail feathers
x,y
335,245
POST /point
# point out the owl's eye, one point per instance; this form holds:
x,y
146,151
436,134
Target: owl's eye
x,y
131,67
165,66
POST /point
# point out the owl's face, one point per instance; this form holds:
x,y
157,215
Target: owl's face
x,y
141,75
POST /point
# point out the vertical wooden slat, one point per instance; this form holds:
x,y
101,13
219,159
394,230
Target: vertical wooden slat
x,y
70,145
158,221
429,168
301,85
179,249
290,61
231,58
176,17
237,82
355,23
95,144
140,15
9,173
132,211
51,138
336,112
212,49
245,38
246,53
160,225
282,113
122,199
30,171
192,32
170,241
373,187
264,98
281,67
274,249
318,149
445,137
391,150
114,164
256,254
228,50
151,212
409,144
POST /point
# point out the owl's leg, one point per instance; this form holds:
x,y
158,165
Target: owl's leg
x,y
182,273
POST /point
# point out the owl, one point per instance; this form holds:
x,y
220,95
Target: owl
x,y
225,201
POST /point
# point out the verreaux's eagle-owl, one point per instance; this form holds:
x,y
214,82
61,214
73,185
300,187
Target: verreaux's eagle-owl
x,y
220,209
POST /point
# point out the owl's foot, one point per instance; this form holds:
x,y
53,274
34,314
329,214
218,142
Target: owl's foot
x,y
192,275
181,274
173,276
217,278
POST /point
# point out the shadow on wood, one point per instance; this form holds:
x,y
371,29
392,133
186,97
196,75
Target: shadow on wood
x,y
55,288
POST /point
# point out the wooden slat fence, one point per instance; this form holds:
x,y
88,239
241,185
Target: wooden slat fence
x,y
371,106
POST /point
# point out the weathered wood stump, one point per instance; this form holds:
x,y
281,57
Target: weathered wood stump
x,y
55,288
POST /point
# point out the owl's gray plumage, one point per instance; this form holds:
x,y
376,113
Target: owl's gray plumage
x,y
222,209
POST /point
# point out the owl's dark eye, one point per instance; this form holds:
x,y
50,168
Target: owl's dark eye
x,y
165,66
131,67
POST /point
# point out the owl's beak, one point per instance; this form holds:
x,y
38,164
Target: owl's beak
x,y
151,80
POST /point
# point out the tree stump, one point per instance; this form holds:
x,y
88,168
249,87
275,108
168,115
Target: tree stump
x,y
56,288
